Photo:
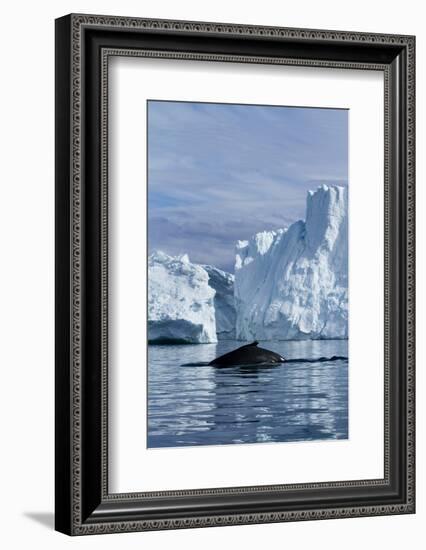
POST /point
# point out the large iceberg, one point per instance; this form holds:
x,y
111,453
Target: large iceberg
x,y
293,283
187,302
180,301
289,284
223,283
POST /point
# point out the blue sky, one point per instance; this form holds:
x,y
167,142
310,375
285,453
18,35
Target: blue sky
x,y
218,173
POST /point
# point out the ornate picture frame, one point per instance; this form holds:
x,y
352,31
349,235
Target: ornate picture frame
x,y
84,46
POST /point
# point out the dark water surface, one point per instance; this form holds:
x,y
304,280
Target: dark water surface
x,y
203,405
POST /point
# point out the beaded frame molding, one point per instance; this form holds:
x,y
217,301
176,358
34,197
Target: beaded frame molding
x,y
84,44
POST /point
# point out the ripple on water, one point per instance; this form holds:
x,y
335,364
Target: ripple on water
x,y
205,405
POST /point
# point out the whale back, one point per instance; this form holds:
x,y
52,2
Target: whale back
x,y
249,354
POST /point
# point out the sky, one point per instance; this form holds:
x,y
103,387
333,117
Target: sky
x,y
219,173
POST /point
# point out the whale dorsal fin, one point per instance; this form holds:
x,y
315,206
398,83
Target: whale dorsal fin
x,y
253,344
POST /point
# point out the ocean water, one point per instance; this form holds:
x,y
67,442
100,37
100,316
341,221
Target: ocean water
x,y
206,405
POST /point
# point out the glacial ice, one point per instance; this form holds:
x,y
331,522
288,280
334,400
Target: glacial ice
x,y
187,302
223,283
180,301
293,283
289,284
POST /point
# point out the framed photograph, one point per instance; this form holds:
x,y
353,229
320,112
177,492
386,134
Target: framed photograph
x,y
234,274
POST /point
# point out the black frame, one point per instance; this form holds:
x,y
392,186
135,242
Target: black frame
x,y
83,45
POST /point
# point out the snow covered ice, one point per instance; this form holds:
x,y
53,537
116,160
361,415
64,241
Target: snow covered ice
x,y
180,301
223,284
289,284
292,284
188,303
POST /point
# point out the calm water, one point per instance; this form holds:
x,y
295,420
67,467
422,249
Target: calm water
x,y
202,405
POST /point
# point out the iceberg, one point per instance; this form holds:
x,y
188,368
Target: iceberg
x,y
223,283
180,301
292,283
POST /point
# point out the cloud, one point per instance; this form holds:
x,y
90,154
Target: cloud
x,y
218,173
204,240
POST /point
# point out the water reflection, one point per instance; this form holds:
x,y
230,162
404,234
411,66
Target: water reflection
x,y
190,405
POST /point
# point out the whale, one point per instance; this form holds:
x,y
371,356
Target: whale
x,y
249,354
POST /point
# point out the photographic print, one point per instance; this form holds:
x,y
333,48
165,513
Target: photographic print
x,y
247,274
205,313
